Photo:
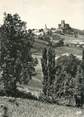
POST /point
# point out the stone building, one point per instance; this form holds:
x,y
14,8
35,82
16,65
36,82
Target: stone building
x,y
65,28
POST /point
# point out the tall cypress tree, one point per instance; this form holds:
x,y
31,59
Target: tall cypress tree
x,y
51,69
79,81
48,67
44,70
51,64
82,70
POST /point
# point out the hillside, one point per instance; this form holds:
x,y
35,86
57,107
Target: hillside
x,y
69,40
64,31
30,108
36,82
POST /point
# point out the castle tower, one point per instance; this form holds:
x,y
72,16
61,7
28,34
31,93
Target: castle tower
x,y
62,23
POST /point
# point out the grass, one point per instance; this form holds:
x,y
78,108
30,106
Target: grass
x,y
70,50
30,108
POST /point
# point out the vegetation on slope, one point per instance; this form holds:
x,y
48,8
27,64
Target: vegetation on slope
x,y
30,108
68,80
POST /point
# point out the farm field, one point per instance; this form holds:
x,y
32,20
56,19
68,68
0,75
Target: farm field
x,y
70,50
60,50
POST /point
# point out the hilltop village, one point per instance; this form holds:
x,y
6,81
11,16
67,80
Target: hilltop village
x,y
64,34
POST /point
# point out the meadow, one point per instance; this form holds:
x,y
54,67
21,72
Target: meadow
x,y
31,108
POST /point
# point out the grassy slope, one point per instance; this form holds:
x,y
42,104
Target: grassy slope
x,y
39,45
30,108
70,50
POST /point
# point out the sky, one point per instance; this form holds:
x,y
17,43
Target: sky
x,y
37,13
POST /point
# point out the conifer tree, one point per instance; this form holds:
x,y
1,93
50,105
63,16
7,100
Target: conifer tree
x,y
51,64
51,69
78,83
82,70
44,70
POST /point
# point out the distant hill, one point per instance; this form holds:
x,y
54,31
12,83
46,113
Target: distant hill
x,y
81,32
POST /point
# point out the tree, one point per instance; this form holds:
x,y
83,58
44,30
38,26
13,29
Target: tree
x,y
81,78
65,77
16,44
48,69
27,60
44,70
51,64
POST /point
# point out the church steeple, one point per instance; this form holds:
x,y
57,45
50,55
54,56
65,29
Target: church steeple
x,y
45,29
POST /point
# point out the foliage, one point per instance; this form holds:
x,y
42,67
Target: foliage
x,y
35,61
51,69
65,76
48,68
80,77
44,70
16,43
